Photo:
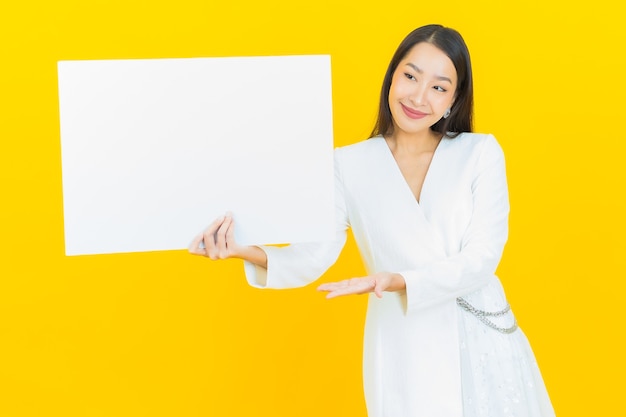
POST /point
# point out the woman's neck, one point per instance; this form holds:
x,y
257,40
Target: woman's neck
x,y
414,143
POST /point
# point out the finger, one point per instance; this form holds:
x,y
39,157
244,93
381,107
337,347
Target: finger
x,y
335,294
215,225
345,291
332,286
230,235
220,237
382,281
209,238
194,246
354,288
378,289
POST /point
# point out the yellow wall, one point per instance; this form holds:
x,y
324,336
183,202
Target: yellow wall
x,y
168,334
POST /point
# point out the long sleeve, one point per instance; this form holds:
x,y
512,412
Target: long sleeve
x,y
482,245
299,264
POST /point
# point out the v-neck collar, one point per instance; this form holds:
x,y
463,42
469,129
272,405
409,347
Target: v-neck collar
x,y
418,201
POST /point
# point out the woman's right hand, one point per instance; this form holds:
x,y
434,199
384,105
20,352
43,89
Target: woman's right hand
x,y
218,242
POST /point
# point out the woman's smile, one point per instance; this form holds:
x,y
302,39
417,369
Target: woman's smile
x,y
412,113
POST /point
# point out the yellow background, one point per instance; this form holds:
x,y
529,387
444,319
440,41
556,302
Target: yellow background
x,y
169,334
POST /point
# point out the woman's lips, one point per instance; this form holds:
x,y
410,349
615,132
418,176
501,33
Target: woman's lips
x,y
413,114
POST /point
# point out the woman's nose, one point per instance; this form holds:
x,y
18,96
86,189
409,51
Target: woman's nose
x,y
418,96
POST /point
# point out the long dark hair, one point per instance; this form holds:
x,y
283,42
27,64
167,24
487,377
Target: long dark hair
x,y
453,45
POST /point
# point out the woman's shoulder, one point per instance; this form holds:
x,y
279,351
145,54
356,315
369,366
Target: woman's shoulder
x,y
365,148
483,148
474,142
472,138
362,145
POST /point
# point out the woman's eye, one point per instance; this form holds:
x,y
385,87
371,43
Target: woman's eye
x,y
440,89
409,76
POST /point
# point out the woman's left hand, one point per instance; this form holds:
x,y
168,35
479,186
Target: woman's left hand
x,y
377,283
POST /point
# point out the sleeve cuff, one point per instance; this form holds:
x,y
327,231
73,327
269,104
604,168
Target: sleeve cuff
x,y
255,275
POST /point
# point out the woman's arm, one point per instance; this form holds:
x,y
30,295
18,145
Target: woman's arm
x,y
473,266
289,266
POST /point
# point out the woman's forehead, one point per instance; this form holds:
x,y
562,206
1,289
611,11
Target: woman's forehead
x,y
427,58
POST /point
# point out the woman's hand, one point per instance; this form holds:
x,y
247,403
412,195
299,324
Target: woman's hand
x,y
218,242
377,283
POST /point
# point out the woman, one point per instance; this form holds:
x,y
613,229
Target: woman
x,y
427,202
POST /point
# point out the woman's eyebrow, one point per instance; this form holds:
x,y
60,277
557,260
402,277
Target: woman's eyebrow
x,y
419,71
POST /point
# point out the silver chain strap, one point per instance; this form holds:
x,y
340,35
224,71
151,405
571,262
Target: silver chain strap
x,y
482,316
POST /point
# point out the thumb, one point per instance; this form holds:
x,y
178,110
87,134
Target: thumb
x,y
378,288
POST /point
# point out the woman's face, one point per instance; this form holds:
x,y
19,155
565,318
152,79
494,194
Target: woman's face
x,y
422,89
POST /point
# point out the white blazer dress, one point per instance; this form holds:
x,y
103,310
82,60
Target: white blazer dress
x,y
424,355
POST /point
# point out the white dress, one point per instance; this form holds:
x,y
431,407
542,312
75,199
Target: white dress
x,y
423,355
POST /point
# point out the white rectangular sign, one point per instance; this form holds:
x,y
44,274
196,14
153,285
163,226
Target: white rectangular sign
x,y
153,150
